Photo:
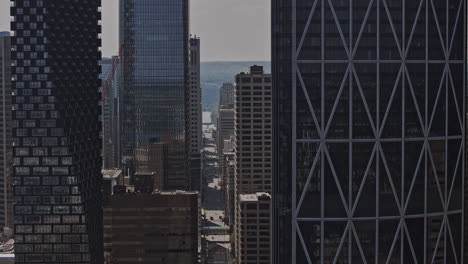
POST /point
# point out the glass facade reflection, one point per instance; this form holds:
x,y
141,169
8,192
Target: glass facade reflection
x,y
154,70
57,147
6,150
369,131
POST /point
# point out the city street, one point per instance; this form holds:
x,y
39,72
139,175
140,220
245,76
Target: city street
x,y
215,233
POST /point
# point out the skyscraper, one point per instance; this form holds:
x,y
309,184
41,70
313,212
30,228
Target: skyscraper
x,y
6,123
226,94
369,131
225,126
110,113
154,78
194,117
57,153
252,148
253,131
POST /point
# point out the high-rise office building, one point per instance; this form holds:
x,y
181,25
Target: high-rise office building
x,y
194,117
154,82
106,68
225,126
253,151
253,121
110,113
253,228
6,123
369,131
151,228
226,94
57,151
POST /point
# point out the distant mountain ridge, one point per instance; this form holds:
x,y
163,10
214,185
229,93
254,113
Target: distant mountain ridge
x,y
215,73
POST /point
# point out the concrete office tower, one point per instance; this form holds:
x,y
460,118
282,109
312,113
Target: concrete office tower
x,y
225,126
369,131
154,83
253,228
253,131
152,228
110,113
194,118
57,153
226,94
252,147
6,125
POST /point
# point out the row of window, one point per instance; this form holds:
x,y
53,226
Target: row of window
x,y
40,239
45,209
42,151
42,132
33,84
27,248
46,190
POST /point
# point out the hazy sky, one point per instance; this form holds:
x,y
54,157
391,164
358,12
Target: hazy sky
x,y
229,29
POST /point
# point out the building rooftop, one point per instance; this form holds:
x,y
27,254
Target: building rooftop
x,y
254,197
228,107
7,256
129,190
7,247
111,174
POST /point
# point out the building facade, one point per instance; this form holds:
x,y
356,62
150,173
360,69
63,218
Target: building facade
x,y
110,113
253,131
369,131
226,94
228,173
6,126
253,229
224,127
152,228
57,151
252,159
154,81
194,117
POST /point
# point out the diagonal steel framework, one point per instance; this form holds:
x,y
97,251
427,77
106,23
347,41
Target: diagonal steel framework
x,y
399,141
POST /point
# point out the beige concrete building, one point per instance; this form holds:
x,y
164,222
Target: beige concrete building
x,y
253,153
225,126
253,120
253,229
151,228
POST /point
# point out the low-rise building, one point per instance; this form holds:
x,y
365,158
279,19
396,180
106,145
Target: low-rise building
x,y
159,227
110,179
7,250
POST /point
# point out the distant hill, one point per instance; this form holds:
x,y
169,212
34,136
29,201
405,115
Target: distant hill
x,y
214,74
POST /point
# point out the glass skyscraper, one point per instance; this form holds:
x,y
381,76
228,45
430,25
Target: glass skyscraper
x,y
57,147
6,151
154,77
369,131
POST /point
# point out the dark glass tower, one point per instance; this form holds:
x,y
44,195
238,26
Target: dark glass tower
x,y
369,131
154,37
6,151
57,163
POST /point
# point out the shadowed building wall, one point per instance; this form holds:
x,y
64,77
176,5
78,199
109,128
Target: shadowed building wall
x,y
152,228
57,153
369,131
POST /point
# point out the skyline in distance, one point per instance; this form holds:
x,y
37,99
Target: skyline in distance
x,y
229,30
